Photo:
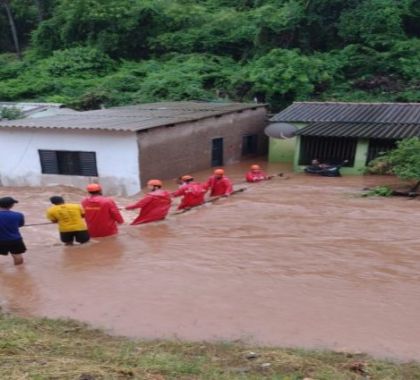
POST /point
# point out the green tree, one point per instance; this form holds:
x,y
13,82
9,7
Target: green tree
x,y
373,22
224,31
411,18
283,75
121,28
278,26
405,160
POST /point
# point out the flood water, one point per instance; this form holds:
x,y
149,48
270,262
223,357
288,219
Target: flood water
x,y
302,261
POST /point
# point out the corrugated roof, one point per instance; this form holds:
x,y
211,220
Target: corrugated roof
x,y
29,109
363,130
350,112
133,118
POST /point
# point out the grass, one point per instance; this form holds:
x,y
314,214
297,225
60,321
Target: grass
x,y
39,349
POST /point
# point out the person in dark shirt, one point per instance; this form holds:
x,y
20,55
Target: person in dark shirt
x,y
10,238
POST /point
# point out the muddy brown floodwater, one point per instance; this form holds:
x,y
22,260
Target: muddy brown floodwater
x,y
296,262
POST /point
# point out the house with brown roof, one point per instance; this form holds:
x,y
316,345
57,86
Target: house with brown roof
x,y
124,147
339,131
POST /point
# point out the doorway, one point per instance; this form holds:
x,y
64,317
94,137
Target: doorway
x,y
217,152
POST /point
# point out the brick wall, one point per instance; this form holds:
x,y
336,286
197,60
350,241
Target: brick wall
x,y
167,152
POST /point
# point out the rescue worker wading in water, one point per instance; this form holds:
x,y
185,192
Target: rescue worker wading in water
x,y
256,174
154,206
101,213
192,192
218,184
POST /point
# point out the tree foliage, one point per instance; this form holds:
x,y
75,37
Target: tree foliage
x,y
375,23
120,51
405,160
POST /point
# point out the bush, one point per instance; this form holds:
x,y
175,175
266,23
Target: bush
x,y
379,191
79,61
379,166
11,113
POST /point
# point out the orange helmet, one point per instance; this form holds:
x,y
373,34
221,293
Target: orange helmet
x,y
186,178
93,187
154,182
219,172
255,167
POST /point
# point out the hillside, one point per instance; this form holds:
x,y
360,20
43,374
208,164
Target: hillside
x,y
85,53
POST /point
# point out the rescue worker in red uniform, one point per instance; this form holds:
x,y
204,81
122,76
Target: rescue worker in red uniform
x,y
101,213
192,192
218,184
154,206
256,174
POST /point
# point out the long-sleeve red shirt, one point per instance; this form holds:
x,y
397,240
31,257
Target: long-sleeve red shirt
x,y
256,176
154,206
101,215
193,195
219,186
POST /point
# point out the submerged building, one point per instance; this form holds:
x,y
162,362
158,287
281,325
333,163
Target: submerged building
x,y
338,131
123,147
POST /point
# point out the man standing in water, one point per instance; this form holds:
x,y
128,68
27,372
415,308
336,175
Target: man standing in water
x,y
69,217
193,193
256,174
101,213
154,206
218,184
10,238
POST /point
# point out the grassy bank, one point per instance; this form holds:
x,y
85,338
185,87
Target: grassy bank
x,y
53,349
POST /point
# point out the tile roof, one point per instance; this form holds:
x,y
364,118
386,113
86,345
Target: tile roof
x,y
350,112
363,130
133,118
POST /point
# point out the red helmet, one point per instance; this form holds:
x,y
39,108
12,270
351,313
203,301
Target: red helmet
x,y
219,172
186,178
255,167
93,187
154,182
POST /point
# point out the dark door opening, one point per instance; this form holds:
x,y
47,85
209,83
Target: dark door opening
x,y
249,145
217,152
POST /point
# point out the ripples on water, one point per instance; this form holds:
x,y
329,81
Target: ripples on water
x,y
303,261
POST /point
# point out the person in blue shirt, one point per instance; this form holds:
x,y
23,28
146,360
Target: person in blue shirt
x,y
10,238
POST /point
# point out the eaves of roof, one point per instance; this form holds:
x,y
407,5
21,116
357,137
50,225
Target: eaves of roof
x,y
133,118
350,112
361,130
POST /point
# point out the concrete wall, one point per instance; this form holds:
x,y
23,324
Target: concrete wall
x,y
116,156
296,166
282,150
167,152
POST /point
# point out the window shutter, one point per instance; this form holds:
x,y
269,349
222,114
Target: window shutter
x,y
88,164
49,164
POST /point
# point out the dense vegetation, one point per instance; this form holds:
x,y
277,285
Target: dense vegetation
x,y
403,161
91,52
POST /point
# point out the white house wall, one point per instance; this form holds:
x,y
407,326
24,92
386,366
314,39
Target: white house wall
x,y
116,156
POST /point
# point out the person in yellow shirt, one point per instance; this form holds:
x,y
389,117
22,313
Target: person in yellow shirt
x,y
69,217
